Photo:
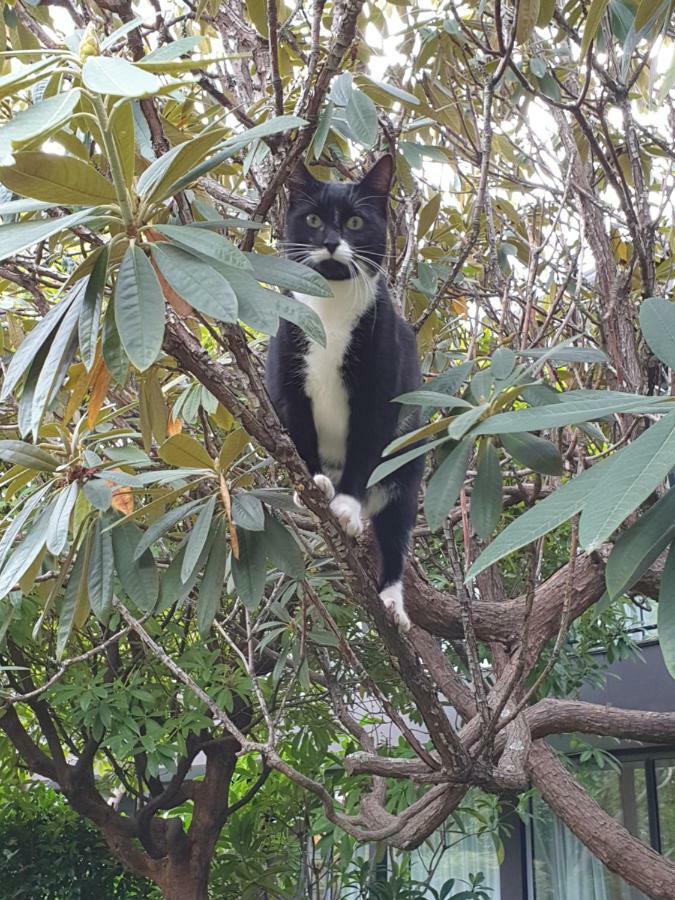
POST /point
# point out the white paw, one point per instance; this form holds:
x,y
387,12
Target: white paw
x,y
348,511
325,485
392,597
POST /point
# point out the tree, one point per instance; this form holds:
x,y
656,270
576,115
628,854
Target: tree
x,y
161,597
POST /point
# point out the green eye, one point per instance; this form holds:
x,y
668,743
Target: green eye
x,y
313,220
355,223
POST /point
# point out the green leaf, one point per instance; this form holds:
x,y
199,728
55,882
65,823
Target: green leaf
x,y
446,483
59,523
19,520
196,282
666,613
35,121
391,465
283,551
158,180
23,556
288,274
183,450
465,421
62,180
269,128
120,32
138,577
543,517
638,469
75,598
569,412
21,235
533,452
197,538
566,354
638,546
396,92
249,570
139,308
486,497
527,15
432,398
118,78
657,321
57,361
204,242
257,305
19,453
90,312
234,144
100,575
23,77
162,525
123,134
98,493
174,49
593,19
449,381
115,358
248,512
303,316
341,89
361,115
321,133
213,582
503,363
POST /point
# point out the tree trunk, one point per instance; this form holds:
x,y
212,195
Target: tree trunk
x,y
185,882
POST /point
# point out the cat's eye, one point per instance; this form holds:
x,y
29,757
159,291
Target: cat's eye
x,y
313,220
355,223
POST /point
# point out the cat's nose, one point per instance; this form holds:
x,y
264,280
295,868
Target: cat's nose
x,y
331,246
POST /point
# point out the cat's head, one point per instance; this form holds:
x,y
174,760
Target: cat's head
x,y
339,229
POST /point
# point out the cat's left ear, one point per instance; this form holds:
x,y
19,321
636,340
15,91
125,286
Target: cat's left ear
x,y
379,177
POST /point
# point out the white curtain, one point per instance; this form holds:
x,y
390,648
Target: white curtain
x,y
565,870
435,863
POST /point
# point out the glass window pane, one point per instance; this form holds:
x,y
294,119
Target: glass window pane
x,y
563,869
665,793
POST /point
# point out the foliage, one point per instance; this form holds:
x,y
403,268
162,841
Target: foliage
x,y
51,853
162,601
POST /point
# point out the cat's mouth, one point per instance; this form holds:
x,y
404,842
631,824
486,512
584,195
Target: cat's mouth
x,y
331,269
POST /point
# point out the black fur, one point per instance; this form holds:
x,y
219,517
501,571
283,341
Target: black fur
x,y
380,362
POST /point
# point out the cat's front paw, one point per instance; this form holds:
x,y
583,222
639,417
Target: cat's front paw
x,y
348,512
392,597
325,485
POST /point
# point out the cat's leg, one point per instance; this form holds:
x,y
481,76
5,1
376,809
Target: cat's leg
x,y
299,421
393,527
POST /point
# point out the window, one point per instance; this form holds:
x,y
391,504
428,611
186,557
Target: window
x,y
457,857
640,794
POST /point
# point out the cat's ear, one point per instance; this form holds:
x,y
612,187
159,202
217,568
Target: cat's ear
x,y
301,181
379,177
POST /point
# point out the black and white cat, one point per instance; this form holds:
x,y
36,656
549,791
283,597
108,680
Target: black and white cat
x,y
336,401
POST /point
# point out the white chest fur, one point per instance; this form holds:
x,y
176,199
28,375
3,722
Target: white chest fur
x,y
324,384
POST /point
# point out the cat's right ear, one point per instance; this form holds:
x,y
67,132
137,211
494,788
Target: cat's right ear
x,y
301,181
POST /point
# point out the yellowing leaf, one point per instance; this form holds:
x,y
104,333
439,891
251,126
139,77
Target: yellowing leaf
x,y
593,19
182,450
123,500
428,215
100,380
528,13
